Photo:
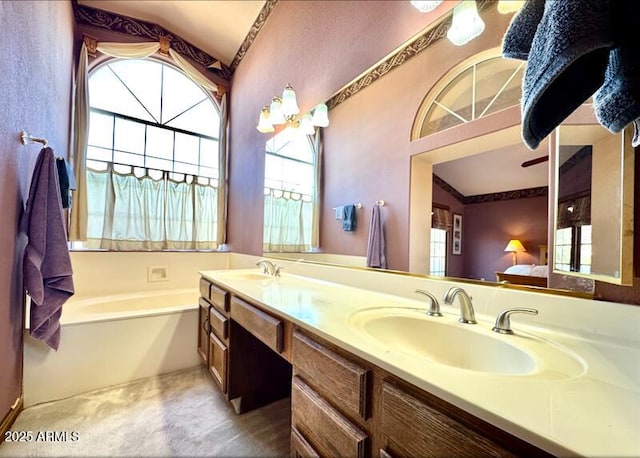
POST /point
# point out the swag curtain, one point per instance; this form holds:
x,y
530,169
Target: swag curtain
x,y
107,183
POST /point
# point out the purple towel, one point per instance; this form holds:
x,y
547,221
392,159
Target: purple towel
x,y
47,266
376,246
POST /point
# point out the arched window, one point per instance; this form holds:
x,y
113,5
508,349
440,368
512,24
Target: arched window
x,y
152,158
482,85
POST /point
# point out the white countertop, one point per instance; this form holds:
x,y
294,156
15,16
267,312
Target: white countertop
x,y
593,409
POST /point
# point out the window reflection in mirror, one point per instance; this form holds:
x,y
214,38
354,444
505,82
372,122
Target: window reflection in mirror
x,y
594,207
289,192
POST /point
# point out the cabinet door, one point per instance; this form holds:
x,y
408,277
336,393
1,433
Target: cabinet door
x,y
411,427
218,354
203,331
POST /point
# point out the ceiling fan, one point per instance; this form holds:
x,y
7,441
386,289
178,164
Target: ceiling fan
x,y
537,160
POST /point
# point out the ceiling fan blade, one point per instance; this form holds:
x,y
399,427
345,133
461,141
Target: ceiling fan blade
x,y
537,160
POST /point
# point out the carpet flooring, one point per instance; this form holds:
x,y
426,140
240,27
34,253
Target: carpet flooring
x,y
177,414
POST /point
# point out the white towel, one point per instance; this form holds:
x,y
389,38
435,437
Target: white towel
x,y
339,212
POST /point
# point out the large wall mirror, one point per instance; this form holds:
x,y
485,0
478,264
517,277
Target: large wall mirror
x,y
593,217
498,189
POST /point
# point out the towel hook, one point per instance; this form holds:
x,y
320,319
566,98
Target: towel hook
x,y
26,139
380,203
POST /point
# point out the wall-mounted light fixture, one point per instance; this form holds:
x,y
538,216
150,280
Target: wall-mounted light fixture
x,y
514,246
425,6
509,6
284,110
466,24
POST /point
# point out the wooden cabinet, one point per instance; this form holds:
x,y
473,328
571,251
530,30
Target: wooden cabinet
x,y
203,331
300,448
321,427
218,362
219,323
410,426
336,376
341,404
213,331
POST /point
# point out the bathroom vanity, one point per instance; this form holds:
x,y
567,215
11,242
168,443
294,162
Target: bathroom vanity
x,y
264,338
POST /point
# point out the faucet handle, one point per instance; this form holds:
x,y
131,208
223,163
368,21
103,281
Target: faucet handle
x,y
434,308
276,271
503,321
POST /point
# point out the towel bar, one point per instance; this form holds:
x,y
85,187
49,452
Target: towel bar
x,y
26,139
358,206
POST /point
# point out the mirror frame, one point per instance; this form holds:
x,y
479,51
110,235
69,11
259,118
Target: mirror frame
x,y
627,155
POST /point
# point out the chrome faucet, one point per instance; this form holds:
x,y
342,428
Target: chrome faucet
x,y
269,268
434,307
467,314
503,321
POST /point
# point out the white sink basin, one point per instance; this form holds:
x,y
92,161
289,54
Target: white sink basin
x,y
244,275
465,346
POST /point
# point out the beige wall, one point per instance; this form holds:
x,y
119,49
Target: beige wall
x,y
35,95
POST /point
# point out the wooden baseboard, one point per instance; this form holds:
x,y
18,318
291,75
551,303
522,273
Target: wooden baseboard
x,y
11,417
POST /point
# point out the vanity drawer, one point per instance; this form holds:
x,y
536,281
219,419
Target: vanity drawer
x,y
300,448
325,430
339,378
219,323
412,427
220,298
265,327
205,288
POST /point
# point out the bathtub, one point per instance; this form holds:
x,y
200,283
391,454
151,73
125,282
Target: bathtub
x,y
113,339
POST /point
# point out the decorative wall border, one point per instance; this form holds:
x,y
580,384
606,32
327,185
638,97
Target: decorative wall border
x,y
412,49
113,22
540,191
253,33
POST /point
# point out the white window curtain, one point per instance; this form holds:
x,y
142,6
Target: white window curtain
x,y
80,214
287,221
140,213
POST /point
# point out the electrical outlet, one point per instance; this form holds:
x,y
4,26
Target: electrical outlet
x,y
157,273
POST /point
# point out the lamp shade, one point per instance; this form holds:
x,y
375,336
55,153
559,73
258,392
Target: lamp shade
x,y
289,102
264,125
509,6
276,116
425,6
306,126
466,23
320,115
514,245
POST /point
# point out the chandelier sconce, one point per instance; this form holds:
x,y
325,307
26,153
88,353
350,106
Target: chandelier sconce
x,y
425,6
284,110
509,6
466,24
